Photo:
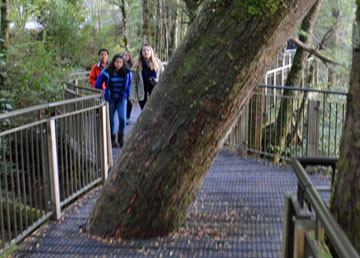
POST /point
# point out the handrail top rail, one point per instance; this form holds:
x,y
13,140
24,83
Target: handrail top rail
x,y
51,104
322,161
301,89
336,235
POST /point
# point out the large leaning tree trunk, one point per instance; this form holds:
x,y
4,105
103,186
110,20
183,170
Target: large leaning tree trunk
x,y
285,113
191,111
345,204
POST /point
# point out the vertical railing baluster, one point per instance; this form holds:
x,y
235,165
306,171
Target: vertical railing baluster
x,y
14,216
7,194
336,126
61,124
18,183
44,158
1,193
329,143
38,169
71,148
323,127
87,146
22,141
33,174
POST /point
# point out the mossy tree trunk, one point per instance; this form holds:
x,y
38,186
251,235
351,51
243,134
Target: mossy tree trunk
x,y
283,120
345,203
146,22
125,31
198,99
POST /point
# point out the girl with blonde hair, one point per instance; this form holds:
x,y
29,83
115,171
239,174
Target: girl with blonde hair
x,y
146,73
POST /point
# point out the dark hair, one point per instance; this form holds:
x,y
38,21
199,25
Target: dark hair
x,y
103,49
111,67
130,62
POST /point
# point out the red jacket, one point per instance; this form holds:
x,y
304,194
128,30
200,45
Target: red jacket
x,y
94,74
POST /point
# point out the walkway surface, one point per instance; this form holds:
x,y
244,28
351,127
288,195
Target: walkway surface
x,y
238,212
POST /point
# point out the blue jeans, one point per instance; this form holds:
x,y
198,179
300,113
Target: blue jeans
x,y
118,105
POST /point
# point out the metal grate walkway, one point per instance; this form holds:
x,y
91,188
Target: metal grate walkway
x,y
237,213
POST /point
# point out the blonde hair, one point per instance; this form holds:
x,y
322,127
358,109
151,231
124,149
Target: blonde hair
x,y
153,64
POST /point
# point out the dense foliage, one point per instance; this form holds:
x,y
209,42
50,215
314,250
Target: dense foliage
x,y
51,38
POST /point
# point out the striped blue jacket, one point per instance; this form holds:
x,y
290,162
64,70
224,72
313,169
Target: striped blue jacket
x,y
105,77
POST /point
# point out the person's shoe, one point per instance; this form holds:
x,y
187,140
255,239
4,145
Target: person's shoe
x,y
114,144
121,137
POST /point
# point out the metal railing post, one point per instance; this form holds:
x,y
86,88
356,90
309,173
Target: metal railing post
x,y
243,130
54,170
109,136
103,143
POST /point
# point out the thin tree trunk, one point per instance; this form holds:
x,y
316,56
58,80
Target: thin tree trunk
x,y
123,11
182,25
146,22
158,27
166,27
333,42
190,113
298,119
294,79
4,38
345,203
174,31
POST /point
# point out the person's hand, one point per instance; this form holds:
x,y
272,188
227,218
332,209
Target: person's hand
x,y
133,102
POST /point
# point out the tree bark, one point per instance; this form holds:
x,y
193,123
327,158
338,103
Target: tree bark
x,y
146,22
174,31
123,11
158,28
345,203
334,41
166,28
192,8
191,111
284,115
4,39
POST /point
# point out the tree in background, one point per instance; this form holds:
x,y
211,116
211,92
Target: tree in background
x,y
146,22
284,116
4,39
345,203
195,104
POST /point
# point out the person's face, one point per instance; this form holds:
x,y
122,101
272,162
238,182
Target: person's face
x,y
103,57
126,57
118,63
146,52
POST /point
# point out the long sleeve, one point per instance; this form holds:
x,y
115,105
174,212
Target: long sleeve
x,y
92,76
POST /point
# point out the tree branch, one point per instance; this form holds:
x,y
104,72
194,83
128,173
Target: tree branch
x,y
314,52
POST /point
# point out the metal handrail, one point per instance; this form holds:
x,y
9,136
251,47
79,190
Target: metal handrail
x,y
302,89
46,106
336,235
47,152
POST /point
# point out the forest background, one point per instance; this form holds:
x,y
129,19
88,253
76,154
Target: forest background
x,y
49,39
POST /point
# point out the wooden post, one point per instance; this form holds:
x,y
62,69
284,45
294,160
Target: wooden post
x,y
243,130
54,170
313,128
103,143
